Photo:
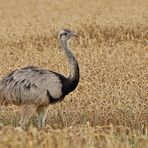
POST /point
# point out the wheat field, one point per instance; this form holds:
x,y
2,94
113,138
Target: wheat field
x,y
109,108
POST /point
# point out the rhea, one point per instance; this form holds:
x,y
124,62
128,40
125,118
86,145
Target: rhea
x,y
34,88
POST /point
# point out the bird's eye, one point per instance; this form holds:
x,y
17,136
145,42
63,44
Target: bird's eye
x,y
65,33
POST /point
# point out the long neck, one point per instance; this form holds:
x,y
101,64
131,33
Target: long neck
x,y
74,67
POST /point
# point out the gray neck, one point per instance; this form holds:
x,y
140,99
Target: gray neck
x,y
74,68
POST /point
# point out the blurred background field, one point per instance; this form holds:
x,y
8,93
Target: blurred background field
x,y
110,106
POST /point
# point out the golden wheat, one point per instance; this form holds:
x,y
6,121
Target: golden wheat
x,y
109,107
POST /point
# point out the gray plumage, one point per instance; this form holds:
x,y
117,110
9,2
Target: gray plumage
x,y
30,85
34,88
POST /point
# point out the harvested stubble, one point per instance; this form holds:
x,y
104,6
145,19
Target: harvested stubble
x,y
112,51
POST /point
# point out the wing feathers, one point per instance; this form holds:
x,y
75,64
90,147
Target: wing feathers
x,y
30,85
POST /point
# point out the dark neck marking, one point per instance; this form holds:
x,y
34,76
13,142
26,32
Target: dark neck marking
x,y
68,85
71,82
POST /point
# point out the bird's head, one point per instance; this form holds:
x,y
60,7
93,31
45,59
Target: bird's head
x,y
66,34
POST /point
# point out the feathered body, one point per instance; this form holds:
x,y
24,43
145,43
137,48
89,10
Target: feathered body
x,y
34,85
34,88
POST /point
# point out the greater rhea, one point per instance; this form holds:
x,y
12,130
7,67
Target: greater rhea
x,y
34,88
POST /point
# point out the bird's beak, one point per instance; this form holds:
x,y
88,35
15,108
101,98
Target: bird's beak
x,y
75,35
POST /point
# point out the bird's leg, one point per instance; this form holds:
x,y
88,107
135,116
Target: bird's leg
x,y
42,113
26,113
